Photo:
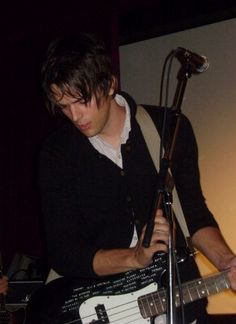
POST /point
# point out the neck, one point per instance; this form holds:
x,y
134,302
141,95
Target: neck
x,y
115,124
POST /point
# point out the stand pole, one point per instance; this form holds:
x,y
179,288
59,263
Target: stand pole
x,y
163,198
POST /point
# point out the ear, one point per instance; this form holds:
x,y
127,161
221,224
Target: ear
x,y
113,87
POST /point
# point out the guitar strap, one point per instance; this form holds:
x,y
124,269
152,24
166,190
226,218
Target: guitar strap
x,y
152,140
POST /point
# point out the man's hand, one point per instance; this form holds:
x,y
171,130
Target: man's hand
x,y
159,241
108,262
232,273
212,244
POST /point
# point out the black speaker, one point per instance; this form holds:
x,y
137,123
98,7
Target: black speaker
x,y
25,267
19,293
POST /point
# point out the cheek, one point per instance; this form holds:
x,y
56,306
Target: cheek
x,y
103,117
67,114
97,114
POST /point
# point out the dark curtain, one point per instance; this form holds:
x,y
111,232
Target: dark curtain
x,y
24,120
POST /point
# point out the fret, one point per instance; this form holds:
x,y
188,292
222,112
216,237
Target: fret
x,y
142,302
217,283
212,286
187,293
162,296
154,304
150,305
201,288
193,289
188,297
215,286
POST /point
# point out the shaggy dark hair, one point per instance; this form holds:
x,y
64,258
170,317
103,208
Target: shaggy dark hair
x,y
80,67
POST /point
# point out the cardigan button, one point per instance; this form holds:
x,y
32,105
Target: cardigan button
x,y
137,222
122,172
128,148
128,198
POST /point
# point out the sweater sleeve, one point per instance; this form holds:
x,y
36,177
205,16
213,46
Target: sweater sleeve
x,y
70,251
186,173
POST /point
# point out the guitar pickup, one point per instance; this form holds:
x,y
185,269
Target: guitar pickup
x,y
101,314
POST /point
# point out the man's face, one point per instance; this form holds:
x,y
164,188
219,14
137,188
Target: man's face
x,y
90,119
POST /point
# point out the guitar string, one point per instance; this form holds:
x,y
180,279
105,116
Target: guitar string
x,y
121,312
97,321
112,314
114,321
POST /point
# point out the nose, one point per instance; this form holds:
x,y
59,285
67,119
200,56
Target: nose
x,y
75,113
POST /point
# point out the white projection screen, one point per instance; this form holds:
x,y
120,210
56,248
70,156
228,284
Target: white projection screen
x,y
210,104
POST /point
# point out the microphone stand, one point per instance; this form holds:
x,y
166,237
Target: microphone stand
x,y
164,198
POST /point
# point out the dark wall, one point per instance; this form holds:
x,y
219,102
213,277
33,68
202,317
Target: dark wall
x,y
26,30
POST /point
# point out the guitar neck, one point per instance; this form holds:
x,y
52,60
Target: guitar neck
x,y
155,303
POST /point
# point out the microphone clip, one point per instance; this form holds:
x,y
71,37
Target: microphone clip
x,y
197,63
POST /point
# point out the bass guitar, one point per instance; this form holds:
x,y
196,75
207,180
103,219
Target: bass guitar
x,y
133,297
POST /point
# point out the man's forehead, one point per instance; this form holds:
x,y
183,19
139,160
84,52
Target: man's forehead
x,y
67,95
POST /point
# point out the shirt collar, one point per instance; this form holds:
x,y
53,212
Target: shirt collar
x,y
127,126
121,101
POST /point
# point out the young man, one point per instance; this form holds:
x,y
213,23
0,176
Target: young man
x,y
98,182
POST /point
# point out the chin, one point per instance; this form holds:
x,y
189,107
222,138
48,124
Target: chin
x,y
89,133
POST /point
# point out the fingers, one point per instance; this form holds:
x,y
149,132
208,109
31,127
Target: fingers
x,y
161,228
232,278
232,272
160,234
159,241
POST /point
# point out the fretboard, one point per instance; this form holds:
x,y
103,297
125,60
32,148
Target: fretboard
x,y
155,303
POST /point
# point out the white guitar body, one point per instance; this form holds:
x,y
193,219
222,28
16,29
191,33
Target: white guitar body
x,y
121,309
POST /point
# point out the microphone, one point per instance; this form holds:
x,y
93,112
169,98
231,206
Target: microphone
x,y
198,63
